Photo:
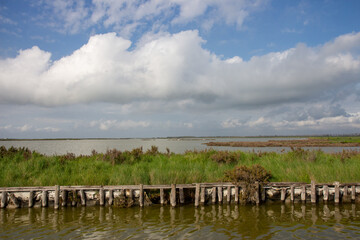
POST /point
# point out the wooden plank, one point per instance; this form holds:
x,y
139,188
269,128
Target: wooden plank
x,y
353,192
213,195
220,194
173,195
303,193
337,192
313,192
326,192
31,199
161,196
197,194
64,197
102,196
44,198
82,197
111,197
202,195
4,199
292,193
181,195
141,198
56,197
228,196
236,194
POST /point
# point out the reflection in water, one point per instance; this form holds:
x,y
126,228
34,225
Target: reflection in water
x,y
268,221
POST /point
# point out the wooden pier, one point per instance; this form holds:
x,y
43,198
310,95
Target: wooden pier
x,y
176,194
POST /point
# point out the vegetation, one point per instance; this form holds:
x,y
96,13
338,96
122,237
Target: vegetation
x,y
22,167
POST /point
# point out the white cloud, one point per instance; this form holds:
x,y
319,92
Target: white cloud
x,y
48,129
114,124
25,128
175,71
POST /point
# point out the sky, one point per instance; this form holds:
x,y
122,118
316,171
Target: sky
x,y
165,68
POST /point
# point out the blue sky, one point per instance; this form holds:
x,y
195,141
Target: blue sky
x,y
161,68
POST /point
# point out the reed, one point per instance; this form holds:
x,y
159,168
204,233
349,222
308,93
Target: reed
x,y
22,167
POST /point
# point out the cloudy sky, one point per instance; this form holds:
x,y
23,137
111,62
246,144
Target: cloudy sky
x,y
157,68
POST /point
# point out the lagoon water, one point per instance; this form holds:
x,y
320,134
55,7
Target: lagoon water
x,y
176,145
268,221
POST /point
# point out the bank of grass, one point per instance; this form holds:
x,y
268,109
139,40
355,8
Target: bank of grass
x,y
340,139
21,167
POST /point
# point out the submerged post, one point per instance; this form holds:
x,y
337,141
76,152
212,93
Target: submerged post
x,y
82,197
337,192
173,195
236,194
102,196
3,199
220,194
44,199
228,196
74,198
202,195
31,199
213,195
161,196
313,192
57,195
111,197
303,193
257,193
197,194
141,198
353,193
326,192
283,194
64,198
292,189
181,195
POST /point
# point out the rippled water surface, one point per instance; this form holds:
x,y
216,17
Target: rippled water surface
x,y
85,146
268,221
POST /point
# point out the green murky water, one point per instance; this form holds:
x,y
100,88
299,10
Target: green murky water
x,y
268,221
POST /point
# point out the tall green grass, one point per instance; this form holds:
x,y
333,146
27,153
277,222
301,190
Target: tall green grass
x,y
21,167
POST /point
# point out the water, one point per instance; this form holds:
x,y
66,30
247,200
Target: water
x,y
85,146
268,221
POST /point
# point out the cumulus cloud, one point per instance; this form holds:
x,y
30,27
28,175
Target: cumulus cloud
x,y
115,124
175,71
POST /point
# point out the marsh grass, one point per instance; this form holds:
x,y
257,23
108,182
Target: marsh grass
x,y
21,167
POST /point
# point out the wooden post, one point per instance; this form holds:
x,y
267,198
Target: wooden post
x,y
3,199
303,193
57,194
64,198
14,200
74,198
337,192
31,199
197,194
111,197
353,193
313,192
263,193
283,194
257,193
173,195
181,195
220,194
102,196
236,194
228,196
326,192
44,199
161,196
213,195
292,195
141,198
202,195
82,197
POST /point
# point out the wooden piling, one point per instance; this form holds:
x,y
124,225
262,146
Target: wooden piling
x,y
56,197
236,194
161,196
82,197
173,195
74,198
303,193
292,195
257,193
102,196
31,199
141,198
228,196
197,194
181,195
220,194
202,195
313,192
44,199
326,192
283,194
3,199
353,193
262,193
64,197
337,192
14,200
111,197
213,195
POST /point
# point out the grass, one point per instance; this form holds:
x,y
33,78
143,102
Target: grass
x,y
341,139
21,167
